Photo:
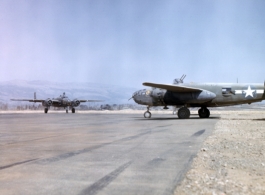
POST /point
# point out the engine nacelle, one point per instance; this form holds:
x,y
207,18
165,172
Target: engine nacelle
x,y
47,102
75,102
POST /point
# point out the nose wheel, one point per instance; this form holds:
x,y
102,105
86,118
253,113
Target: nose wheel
x,y
147,114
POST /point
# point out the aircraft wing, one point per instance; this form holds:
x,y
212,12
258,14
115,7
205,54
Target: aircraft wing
x,y
34,100
28,100
90,100
174,88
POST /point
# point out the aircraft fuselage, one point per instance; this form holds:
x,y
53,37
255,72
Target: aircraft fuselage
x,y
199,95
213,95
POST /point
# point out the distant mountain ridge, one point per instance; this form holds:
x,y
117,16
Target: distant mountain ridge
x,y
111,94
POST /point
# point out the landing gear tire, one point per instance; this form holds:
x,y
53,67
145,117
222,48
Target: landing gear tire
x,y
45,110
204,113
73,110
67,111
184,113
147,114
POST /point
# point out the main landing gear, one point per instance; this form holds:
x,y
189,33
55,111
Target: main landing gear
x,y
184,113
73,110
204,112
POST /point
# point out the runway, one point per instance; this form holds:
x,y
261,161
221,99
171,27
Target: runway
x,y
97,153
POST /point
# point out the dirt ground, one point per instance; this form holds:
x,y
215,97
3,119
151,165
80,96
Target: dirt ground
x,y
232,159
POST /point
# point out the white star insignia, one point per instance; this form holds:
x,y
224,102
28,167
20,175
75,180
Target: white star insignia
x,y
249,92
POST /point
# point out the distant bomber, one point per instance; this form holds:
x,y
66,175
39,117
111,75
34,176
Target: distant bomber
x,y
61,101
201,95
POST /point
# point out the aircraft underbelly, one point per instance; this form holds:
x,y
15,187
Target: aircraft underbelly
x,y
173,98
57,104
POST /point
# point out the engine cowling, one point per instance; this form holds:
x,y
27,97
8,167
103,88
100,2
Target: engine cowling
x,y
75,102
47,102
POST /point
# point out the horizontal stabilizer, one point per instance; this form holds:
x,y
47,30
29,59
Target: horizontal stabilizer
x,y
174,88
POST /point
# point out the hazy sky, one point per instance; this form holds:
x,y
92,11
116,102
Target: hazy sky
x,y
127,42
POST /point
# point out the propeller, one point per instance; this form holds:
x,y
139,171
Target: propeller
x,y
132,96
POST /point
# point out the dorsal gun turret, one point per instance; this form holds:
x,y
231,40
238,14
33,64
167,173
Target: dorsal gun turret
x,y
63,96
177,81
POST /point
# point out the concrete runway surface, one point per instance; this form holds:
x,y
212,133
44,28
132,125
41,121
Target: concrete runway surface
x,y
60,153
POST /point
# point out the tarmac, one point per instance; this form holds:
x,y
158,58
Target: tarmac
x,y
97,153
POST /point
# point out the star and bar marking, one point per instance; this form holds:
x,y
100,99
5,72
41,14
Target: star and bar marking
x,y
249,92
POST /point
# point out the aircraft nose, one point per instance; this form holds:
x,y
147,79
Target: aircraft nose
x,y
134,96
67,102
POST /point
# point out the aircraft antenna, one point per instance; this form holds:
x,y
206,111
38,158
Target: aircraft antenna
x,y
35,97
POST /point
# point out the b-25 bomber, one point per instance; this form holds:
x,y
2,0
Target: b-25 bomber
x,y
203,95
61,101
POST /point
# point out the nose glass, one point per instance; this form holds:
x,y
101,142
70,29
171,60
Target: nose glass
x,y
135,96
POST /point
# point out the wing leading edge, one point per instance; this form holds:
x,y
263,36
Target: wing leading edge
x,y
53,100
174,88
90,100
29,100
